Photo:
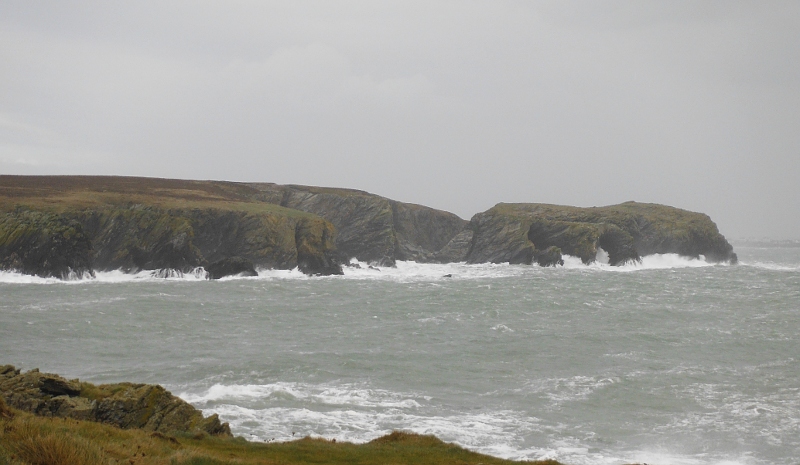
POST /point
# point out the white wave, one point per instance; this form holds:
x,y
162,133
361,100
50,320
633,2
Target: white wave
x,y
563,390
648,262
19,278
316,394
116,276
412,271
665,457
404,271
771,266
355,413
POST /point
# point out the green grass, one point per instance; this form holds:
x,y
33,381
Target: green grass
x,y
26,439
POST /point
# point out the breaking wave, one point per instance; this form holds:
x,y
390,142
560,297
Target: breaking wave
x,y
402,271
355,413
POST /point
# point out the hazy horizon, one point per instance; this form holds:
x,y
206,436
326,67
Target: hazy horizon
x,y
453,105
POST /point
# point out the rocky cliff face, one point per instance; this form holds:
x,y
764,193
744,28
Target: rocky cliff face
x,y
54,226
100,223
524,233
138,238
43,244
369,227
126,405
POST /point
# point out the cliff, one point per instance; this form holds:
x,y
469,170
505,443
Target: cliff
x,y
59,225
125,405
527,233
370,227
65,225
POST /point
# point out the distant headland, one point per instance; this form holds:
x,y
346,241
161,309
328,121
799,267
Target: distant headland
x,y
62,226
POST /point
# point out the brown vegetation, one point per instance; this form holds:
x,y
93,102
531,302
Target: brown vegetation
x,y
32,440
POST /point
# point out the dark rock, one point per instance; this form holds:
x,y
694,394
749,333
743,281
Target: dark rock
x,y
457,249
233,266
313,238
550,256
43,244
369,227
57,386
125,405
448,276
500,237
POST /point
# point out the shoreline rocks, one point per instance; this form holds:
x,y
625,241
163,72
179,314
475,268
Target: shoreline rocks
x,y
233,266
125,405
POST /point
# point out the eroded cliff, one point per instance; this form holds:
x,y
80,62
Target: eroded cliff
x,y
527,233
370,227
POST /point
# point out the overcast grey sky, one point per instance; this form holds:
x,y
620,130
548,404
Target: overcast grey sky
x,y
453,104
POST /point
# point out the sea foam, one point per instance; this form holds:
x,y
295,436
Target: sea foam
x,y
403,271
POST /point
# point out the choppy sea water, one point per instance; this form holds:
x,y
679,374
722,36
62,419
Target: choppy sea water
x,y
672,361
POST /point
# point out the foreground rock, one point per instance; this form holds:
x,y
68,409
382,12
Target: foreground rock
x,y
524,233
125,405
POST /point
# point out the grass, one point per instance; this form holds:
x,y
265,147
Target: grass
x,y
61,194
26,439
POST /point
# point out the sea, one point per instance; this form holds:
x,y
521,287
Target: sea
x,y
669,361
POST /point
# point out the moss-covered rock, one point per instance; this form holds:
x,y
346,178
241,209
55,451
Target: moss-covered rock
x,y
518,233
125,405
313,238
43,244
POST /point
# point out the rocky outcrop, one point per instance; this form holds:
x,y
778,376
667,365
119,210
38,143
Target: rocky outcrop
x,y
43,244
457,249
125,405
550,256
233,266
524,233
370,227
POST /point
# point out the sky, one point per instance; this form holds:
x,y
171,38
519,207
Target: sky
x,y
457,105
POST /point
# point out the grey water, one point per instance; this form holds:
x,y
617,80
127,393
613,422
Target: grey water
x,y
672,361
